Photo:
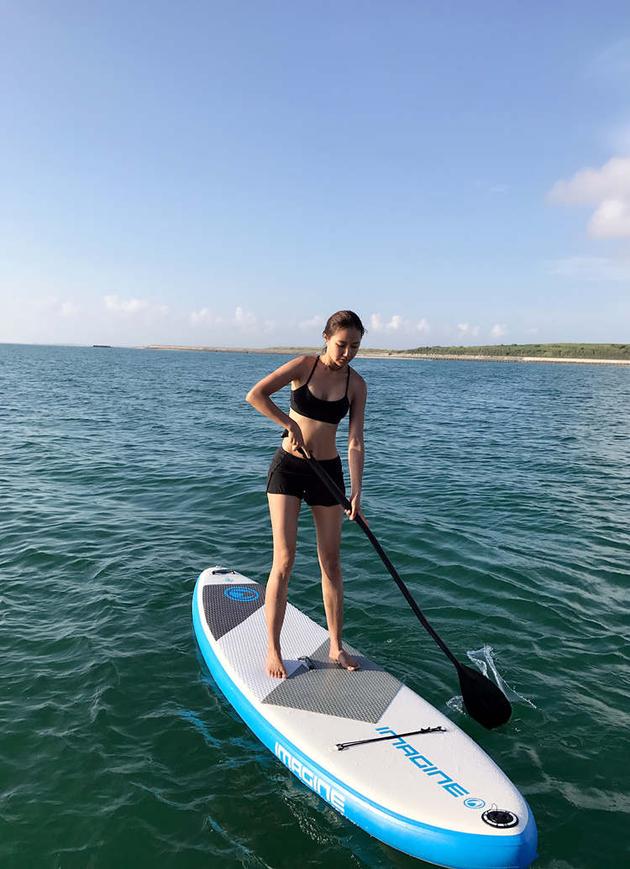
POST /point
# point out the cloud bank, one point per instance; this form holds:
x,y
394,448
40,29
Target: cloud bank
x,y
133,306
607,189
397,324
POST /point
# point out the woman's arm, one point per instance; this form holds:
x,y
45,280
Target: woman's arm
x,y
258,395
356,449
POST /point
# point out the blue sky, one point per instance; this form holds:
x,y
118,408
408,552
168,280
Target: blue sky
x,y
230,173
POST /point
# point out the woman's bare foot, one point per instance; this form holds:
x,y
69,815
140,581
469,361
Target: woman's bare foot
x,y
345,661
274,665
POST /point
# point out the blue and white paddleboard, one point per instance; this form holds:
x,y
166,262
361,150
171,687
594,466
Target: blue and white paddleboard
x,y
435,796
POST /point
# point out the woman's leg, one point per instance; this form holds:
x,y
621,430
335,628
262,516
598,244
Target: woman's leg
x,y
284,511
328,521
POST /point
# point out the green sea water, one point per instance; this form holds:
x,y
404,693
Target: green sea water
x,y
500,491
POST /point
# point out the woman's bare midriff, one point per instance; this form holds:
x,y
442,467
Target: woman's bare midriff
x,y
319,437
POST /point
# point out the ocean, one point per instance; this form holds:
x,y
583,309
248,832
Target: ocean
x,y
501,492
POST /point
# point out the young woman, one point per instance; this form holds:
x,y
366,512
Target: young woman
x,y
323,389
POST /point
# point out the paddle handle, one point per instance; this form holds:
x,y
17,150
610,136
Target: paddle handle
x,y
341,498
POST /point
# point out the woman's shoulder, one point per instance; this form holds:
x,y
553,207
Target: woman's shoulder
x,y
357,383
355,377
301,361
300,366
305,361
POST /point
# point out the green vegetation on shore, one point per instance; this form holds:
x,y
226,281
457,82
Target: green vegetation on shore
x,y
568,351
552,352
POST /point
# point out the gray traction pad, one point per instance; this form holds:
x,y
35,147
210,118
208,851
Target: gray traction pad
x,y
226,606
362,695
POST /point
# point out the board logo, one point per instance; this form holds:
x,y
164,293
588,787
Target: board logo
x,y
474,803
425,765
316,783
241,594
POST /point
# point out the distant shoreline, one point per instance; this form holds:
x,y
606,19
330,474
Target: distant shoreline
x,y
393,354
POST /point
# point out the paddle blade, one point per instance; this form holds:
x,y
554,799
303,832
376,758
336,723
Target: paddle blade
x,y
484,701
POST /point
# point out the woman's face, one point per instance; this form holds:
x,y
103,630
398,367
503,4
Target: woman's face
x,y
343,345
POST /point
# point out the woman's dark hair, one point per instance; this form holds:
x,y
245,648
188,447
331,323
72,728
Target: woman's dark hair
x,y
343,320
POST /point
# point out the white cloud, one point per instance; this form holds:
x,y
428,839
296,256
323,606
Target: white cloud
x,y
133,306
396,323
244,319
611,220
466,329
399,325
590,186
498,330
592,268
247,321
125,306
606,188
205,317
316,322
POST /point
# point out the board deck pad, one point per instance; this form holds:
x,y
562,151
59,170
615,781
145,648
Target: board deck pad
x,y
362,695
227,605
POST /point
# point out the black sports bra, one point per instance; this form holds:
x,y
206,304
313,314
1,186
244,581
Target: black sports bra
x,y
305,403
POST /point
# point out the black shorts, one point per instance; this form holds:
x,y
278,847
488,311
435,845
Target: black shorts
x,y
289,475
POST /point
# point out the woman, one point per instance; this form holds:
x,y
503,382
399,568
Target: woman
x,y
323,389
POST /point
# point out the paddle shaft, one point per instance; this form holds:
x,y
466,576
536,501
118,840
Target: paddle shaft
x,y
484,701
341,498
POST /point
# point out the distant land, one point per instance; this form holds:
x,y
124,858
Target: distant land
x,y
595,353
608,352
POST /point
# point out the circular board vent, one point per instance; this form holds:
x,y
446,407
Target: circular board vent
x,y
500,818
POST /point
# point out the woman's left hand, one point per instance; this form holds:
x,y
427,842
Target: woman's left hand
x,y
355,506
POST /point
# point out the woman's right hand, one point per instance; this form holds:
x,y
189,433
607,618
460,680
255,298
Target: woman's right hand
x,y
295,436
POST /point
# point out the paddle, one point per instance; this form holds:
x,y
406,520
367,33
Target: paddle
x,y
484,701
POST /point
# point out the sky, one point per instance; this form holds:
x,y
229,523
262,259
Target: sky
x,y
231,173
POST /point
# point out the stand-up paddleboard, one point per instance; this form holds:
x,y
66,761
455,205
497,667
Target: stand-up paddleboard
x,y
436,795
